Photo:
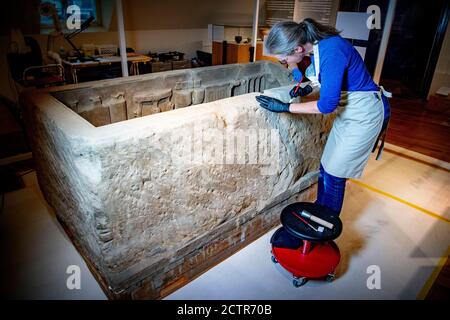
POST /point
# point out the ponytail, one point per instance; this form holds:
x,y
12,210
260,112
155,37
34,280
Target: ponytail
x,y
315,31
285,36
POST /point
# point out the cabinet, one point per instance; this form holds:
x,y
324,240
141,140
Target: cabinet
x,y
236,52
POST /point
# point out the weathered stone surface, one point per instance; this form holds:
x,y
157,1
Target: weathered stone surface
x,y
182,98
95,112
161,92
117,107
198,95
281,93
150,101
155,200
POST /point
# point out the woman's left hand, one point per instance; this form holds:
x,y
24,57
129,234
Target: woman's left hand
x,y
273,104
297,74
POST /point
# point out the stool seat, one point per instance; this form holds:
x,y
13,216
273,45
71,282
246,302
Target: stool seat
x,y
298,228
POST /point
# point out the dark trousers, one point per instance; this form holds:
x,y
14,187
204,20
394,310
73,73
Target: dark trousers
x,y
330,191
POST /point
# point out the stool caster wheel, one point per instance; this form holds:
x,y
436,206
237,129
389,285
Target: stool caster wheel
x,y
330,277
298,282
274,260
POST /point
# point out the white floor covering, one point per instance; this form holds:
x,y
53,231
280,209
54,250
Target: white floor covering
x,y
397,217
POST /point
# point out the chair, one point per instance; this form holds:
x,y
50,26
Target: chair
x,y
28,69
304,244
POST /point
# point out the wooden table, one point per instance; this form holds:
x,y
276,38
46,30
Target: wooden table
x,y
135,59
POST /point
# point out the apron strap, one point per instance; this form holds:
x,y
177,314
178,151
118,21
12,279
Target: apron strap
x,y
386,93
315,80
381,136
384,128
380,149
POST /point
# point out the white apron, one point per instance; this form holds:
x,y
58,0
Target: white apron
x,y
355,130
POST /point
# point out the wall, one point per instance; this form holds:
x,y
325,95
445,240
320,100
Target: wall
x,y
441,76
156,26
231,32
193,14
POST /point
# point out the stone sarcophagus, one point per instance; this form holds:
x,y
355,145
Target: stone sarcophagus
x,y
158,177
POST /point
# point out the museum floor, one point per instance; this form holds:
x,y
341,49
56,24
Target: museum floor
x,y
397,218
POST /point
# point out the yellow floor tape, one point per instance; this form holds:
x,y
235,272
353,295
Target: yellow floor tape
x,y
412,205
429,283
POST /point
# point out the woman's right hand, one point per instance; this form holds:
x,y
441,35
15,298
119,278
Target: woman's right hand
x,y
294,93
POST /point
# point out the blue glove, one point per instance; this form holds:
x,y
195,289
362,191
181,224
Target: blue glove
x,y
297,74
273,104
300,91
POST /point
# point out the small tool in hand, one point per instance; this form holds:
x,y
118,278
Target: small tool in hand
x,y
296,89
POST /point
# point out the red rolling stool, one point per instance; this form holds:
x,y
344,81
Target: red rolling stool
x,y
304,245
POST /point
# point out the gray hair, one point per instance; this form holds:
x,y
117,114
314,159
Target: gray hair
x,y
285,36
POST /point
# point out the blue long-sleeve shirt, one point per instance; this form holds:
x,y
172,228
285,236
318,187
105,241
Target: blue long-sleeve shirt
x,y
341,69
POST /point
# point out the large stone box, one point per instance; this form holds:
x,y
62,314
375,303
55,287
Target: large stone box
x,y
158,177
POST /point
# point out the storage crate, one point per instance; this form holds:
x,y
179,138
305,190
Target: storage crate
x,y
161,66
182,64
106,50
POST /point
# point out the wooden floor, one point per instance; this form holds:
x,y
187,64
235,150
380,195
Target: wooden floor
x,y
420,125
441,287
